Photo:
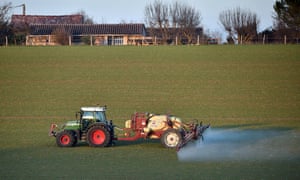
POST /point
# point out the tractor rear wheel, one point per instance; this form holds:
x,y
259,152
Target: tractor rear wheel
x,y
171,138
98,136
65,139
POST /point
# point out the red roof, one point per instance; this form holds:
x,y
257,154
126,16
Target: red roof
x,y
20,21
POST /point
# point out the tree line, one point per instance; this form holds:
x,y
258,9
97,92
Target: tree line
x,y
180,23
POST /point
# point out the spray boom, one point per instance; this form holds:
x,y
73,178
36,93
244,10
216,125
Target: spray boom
x,y
197,132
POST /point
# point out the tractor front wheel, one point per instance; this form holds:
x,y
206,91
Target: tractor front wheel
x,y
98,136
171,138
65,139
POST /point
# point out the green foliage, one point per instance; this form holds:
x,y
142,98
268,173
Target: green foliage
x,y
4,10
5,29
288,12
253,86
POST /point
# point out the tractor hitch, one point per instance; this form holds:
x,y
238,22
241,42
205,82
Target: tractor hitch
x,y
52,131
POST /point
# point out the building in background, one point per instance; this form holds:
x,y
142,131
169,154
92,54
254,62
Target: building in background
x,y
70,29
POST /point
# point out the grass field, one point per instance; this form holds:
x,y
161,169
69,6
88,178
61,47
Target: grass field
x,y
227,86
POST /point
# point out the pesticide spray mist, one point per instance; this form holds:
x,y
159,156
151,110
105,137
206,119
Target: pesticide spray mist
x,y
236,145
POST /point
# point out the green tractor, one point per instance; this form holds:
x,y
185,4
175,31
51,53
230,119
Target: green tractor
x,y
92,127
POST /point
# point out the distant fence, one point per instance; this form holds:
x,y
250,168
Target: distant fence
x,y
100,40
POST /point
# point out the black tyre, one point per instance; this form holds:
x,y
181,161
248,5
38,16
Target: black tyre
x,y
171,138
65,139
98,136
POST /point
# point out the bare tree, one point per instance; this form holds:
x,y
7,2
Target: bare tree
x,y
225,18
170,21
157,18
241,25
4,9
189,19
174,13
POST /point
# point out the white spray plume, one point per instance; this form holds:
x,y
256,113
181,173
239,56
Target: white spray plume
x,y
237,144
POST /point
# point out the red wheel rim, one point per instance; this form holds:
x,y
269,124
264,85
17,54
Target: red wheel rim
x,y
65,139
98,137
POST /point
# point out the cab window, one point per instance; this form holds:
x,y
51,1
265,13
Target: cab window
x,y
100,116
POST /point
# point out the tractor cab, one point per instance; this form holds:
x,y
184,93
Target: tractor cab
x,y
96,114
89,115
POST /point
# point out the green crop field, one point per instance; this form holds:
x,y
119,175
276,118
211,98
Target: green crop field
x,y
244,87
